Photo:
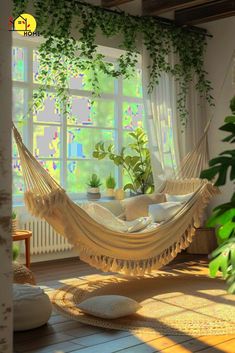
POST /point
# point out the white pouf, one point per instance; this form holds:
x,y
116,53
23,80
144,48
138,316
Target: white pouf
x,y
31,307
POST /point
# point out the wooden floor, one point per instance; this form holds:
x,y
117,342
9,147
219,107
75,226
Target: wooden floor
x,y
63,335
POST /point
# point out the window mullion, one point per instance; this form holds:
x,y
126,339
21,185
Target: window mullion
x,y
30,98
119,126
64,149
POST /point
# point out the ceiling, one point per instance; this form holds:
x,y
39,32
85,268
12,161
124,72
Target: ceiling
x,y
183,12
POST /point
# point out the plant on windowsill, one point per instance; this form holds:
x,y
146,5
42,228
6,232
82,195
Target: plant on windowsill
x,y
136,165
93,192
110,185
223,217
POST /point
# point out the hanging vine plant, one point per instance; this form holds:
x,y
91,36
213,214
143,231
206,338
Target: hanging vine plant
x,y
61,56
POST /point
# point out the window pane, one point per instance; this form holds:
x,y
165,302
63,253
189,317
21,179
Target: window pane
x,y
100,113
132,87
49,113
18,63
79,173
35,66
18,104
81,141
46,141
18,181
126,139
15,152
82,81
37,78
133,115
52,167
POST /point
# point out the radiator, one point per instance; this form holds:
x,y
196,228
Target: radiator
x,y
44,238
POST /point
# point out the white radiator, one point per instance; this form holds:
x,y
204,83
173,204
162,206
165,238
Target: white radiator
x,y
44,238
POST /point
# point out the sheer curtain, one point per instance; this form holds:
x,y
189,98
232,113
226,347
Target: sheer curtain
x,y
168,141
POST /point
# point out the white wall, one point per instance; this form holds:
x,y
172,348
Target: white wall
x,y
219,62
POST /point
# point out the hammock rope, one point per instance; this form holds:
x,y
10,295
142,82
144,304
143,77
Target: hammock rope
x,y
131,253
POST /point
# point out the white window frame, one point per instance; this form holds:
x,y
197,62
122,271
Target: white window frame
x,y
117,97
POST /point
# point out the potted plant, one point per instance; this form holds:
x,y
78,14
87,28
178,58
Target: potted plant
x,y
110,185
136,165
93,192
14,222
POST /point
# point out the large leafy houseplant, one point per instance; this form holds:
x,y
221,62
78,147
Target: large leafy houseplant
x,y
223,218
136,164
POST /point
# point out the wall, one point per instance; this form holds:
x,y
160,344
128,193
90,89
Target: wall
x,y
5,182
219,62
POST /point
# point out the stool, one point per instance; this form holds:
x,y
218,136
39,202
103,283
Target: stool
x,y
24,235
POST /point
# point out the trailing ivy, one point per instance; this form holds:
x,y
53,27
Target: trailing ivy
x,y
61,56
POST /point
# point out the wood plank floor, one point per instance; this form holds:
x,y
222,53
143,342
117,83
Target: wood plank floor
x,y
62,335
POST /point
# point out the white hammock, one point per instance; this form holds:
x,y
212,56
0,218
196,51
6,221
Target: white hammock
x,y
108,250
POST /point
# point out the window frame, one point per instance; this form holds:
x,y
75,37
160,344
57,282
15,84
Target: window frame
x,y
117,97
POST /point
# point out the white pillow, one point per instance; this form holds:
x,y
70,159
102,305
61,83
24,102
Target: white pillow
x,y
179,198
109,306
105,217
162,211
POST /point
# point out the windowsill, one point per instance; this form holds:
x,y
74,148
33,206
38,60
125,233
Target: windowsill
x,y
77,199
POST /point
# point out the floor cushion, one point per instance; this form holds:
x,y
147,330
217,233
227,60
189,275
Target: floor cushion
x,y
31,307
109,306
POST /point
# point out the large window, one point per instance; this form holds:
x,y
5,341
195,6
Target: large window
x,y
63,143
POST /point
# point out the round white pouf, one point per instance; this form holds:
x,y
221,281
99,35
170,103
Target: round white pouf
x,y
31,307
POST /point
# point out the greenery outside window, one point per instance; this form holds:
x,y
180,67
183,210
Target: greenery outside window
x,y
63,143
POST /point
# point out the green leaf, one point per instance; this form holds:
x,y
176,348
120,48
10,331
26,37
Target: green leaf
x,y
129,186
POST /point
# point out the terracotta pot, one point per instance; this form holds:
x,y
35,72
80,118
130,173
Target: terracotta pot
x,y
119,194
110,192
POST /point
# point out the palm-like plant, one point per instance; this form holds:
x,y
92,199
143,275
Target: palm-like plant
x,y
223,218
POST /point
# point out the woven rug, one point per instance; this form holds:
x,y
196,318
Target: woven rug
x,y
179,305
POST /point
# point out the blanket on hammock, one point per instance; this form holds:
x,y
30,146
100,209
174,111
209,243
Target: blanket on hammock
x,y
105,217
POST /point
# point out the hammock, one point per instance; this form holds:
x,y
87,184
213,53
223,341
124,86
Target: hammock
x,y
129,253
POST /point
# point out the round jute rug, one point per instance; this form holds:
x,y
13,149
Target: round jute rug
x,y
179,305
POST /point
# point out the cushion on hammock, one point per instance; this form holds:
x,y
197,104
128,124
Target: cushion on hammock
x,y
164,211
109,306
179,198
31,307
105,217
137,206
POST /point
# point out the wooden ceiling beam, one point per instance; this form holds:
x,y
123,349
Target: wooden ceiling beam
x,y
156,7
204,13
111,3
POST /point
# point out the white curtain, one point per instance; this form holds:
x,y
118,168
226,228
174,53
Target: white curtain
x,y
168,141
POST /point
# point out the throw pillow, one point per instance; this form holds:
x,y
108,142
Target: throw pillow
x,y
179,198
164,211
137,206
109,306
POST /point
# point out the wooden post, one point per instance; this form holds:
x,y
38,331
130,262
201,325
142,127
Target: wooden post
x,y
5,181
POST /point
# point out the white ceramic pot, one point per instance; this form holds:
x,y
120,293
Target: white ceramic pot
x,y
94,190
